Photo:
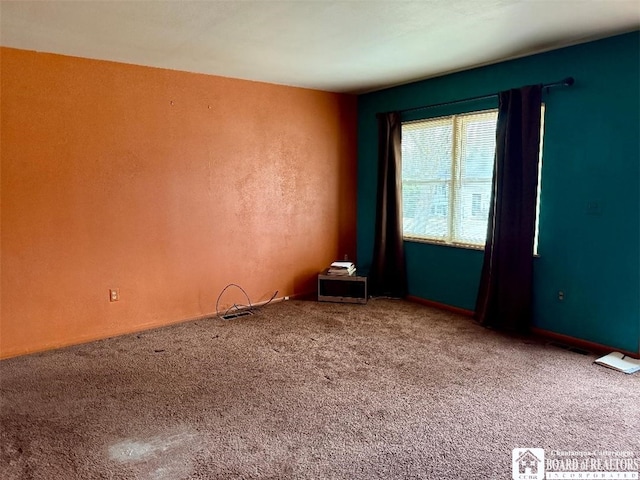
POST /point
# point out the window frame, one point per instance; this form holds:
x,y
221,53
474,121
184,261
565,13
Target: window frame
x,y
456,167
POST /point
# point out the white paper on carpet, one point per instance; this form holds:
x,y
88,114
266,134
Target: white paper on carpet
x,y
619,361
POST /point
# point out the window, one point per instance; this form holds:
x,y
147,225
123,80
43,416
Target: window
x,y
447,166
476,204
447,170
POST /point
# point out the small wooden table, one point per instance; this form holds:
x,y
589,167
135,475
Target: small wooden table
x,y
342,288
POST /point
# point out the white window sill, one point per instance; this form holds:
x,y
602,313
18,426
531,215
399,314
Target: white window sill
x,y
464,246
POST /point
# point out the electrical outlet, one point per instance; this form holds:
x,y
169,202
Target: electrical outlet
x,y
560,295
114,294
594,208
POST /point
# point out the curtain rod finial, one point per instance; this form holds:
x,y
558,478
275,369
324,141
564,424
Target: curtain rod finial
x,y
569,81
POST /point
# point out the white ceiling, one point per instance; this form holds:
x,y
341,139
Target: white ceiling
x,y
335,45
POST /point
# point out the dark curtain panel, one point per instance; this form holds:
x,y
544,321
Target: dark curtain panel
x,y
505,294
388,275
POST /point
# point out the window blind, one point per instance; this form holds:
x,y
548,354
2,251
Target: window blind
x,y
447,168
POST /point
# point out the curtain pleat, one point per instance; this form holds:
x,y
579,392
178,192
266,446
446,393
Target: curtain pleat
x,y
506,286
388,275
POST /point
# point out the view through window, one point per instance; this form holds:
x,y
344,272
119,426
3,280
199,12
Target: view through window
x,y
447,170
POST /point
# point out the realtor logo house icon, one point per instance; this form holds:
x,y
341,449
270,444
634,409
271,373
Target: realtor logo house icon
x,y
528,463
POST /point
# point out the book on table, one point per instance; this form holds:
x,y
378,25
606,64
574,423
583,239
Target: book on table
x,y
341,268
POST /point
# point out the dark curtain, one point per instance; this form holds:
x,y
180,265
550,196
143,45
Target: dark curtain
x,y
388,275
506,285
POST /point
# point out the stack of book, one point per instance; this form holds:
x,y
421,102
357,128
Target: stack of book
x,y
342,268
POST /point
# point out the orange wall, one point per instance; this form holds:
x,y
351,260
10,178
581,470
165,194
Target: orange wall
x,y
166,185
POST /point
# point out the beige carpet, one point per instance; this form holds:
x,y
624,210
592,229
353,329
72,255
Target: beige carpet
x,y
302,390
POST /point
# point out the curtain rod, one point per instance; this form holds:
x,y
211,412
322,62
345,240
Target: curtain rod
x,y
566,82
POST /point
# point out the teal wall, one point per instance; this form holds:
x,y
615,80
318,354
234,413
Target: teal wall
x,y
589,242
